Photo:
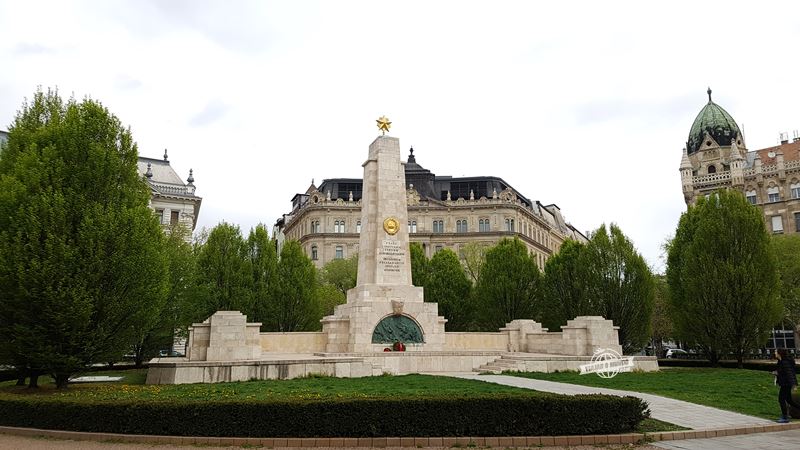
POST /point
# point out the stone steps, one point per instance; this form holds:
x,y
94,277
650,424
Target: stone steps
x,y
502,364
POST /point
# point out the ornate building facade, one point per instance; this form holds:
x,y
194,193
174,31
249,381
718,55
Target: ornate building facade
x,y
173,201
443,212
716,156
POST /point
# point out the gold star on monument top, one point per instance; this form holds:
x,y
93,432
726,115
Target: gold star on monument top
x,y
384,124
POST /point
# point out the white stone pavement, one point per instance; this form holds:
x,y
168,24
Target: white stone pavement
x,y
681,413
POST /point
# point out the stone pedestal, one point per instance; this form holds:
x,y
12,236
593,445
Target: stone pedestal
x,y
225,336
585,334
384,264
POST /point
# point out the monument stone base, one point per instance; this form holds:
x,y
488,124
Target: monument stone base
x,y
350,329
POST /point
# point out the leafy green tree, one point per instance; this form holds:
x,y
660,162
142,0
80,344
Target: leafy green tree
x,y
508,285
786,249
224,273
328,297
564,286
620,284
263,259
449,286
661,321
474,256
177,311
341,273
81,261
419,265
295,307
722,277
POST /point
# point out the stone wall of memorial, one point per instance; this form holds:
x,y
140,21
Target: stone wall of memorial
x,y
466,341
294,342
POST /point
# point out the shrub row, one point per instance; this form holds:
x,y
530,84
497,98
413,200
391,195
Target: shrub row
x,y
493,415
768,365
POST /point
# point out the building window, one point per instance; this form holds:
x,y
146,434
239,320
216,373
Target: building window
x,y
797,221
773,194
777,224
782,336
412,226
438,226
314,255
338,226
315,226
439,248
339,252
358,227
160,215
461,226
795,189
173,217
712,169
509,224
483,225
751,197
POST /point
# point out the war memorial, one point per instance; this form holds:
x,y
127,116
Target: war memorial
x,y
384,312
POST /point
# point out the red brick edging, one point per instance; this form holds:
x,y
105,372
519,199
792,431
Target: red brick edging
x,y
510,441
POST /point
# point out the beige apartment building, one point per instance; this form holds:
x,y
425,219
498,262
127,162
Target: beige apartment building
x,y
716,156
173,201
443,212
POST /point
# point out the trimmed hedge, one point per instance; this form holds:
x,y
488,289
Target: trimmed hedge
x,y
489,415
768,365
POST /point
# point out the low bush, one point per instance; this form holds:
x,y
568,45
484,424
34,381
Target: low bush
x,y
483,415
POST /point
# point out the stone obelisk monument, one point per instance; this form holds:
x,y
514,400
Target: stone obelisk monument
x,y
384,307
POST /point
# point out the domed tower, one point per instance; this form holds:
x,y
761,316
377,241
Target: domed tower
x,y
714,152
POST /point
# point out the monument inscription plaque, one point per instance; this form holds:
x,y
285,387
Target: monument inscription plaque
x,y
391,256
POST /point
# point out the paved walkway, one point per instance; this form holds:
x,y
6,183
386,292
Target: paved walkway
x,y
756,441
681,413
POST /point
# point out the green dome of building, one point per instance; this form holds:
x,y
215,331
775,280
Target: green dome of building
x,y
717,122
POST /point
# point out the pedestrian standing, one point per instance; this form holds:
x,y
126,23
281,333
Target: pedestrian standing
x,y
786,379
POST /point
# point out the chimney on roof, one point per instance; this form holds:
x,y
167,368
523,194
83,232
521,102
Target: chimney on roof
x,y
784,138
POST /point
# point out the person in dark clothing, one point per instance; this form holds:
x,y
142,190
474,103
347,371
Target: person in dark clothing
x,y
786,378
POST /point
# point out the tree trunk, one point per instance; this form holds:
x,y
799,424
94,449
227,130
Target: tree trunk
x,y
34,380
62,380
21,379
713,358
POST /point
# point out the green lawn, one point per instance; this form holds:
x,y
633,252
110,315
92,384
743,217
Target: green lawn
x,y
746,391
302,388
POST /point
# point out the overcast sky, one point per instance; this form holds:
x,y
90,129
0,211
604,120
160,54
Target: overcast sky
x,y
582,104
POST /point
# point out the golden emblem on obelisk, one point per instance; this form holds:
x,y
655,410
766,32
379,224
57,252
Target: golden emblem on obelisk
x,y
383,124
391,226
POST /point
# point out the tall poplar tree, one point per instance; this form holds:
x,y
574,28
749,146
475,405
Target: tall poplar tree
x,y
264,263
419,264
508,285
81,266
296,306
722,277
564,286
619,285
224,272
449,286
